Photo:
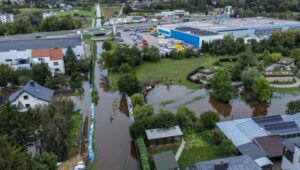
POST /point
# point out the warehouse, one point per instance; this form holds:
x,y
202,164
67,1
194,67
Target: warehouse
x,y
195,33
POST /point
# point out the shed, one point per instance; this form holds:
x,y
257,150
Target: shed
x,y
165,161
164,135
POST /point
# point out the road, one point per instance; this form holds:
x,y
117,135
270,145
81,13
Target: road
x,y
98,16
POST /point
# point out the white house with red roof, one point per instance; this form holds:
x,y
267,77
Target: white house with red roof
x,y
51,56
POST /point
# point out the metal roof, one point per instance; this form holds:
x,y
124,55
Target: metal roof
x,y
243,162
267,119
35,90
272,145
39,43
163,132
252,150
282,127
165,161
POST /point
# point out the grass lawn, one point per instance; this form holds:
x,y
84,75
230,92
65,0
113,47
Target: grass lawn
x,y
86,17
30,10
75,133
198,148
168,71
110,10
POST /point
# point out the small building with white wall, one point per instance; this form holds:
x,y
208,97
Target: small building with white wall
x,y
30,96
52,56
6,18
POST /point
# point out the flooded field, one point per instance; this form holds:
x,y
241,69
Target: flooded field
x,y
171,97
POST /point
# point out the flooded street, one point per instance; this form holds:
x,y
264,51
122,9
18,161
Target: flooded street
x,y
170,98
114,149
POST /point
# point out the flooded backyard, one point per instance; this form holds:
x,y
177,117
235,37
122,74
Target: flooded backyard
x,y
171,97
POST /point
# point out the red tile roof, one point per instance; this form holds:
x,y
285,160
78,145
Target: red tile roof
x,y
53,53
56,54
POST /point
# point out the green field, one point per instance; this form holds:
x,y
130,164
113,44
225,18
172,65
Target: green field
x,y
168,71
197,149
86,17
110,10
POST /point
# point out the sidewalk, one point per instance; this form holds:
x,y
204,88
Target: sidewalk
x,y
180,149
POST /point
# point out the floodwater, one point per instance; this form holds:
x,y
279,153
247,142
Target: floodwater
x,y
114,146
172,97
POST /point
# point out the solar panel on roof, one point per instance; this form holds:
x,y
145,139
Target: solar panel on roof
x,y
281,126
196,31
267,119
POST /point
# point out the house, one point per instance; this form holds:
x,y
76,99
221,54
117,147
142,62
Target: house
x,y
30,96
263,142
289,63
243,162
165,161
52,56
164,135
17,52
291,156
6,18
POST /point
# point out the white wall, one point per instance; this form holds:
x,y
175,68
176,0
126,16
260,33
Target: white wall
x,y
14,55
78,50
51,65
31,100
287,165
210,38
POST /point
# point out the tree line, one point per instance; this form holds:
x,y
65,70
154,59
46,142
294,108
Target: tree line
x,y
28,23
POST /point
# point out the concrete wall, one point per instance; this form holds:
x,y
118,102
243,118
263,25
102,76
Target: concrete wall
x,y
31,100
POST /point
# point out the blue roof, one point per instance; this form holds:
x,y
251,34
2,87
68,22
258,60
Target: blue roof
x,y
35,90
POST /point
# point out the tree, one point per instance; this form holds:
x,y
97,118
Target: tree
x,y
128,84
293,107
40,72
23,24
109,59
247,58
125,68
70,60
45,161
249,75
151,54
141,112
295,54
221,85
67,23
106,45
54,126
7,74
12,156
164,119
228,148
127,9
261,89
185,117
75,81
51,23
137,99
208,119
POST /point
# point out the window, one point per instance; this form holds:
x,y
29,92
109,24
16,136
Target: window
x,y
55,63
25,97
8,60
27,105
57,70
41,59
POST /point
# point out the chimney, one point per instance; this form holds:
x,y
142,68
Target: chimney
x,y
31,83
221,166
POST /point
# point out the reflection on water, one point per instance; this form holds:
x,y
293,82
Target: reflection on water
x,y
199,101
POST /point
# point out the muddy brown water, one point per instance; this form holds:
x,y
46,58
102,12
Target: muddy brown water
x,y
114,146
171,97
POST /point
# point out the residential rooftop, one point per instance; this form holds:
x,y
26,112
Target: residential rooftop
x,y
243,162
165,161
292,143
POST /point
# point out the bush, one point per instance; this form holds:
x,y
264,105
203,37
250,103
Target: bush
x,y
208,119
293,107
95,97
106,45
217,137
137,99
228,148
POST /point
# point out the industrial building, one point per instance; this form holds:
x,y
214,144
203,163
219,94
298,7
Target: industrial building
x,y
194,33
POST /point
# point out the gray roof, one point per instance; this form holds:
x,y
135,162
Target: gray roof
x,y
35,90
291,143
163,132
243,162
252,150
39,43
165,161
